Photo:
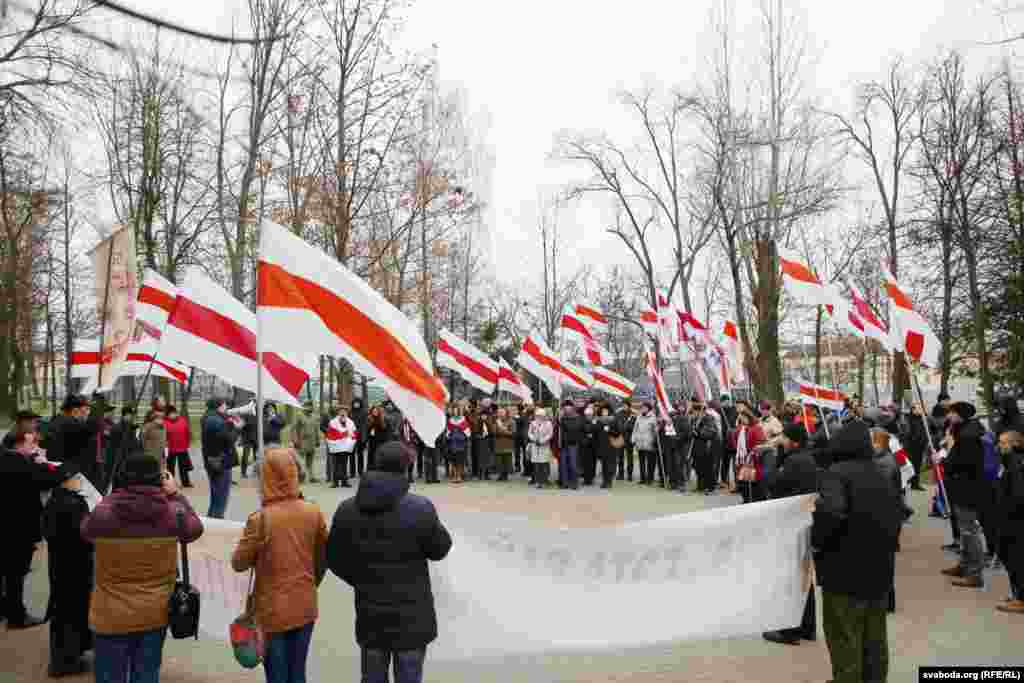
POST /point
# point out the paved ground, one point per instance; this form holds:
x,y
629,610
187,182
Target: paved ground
x,y
934,623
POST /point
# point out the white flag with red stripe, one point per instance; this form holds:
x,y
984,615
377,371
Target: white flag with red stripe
x,y
576,377
538,359
308,302
157,297
215,332
667,327
842,313
873,327
592,317
510,381
913,332
612,383
907,470
660,393
85,358
823,397
341,435
733,352
649,321
576,328
800,280
472,364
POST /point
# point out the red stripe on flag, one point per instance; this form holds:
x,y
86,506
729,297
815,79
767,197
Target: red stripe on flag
x,y
508,374
615,384
649,316
465,361
798,271
219,330
571,323
595,315
897,296
573,376
156,297
281,289
730,330
531,348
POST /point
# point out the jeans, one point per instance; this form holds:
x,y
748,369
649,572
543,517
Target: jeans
x,y
129,657
220,491
181,463
407,665
284,660
972,543
567,469
857,637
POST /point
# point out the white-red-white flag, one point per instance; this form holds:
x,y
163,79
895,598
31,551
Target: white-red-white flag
x,y
913,332
907,470
213,331
823,397
842,313
510,381
733,352
472,364
341,435
660,393
575,328
157,297
574,376
142,351
800,280
538,359
596,354
592,316
612,383
649,321
667,327
308,302
873,327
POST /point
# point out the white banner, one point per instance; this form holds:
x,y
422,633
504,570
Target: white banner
x,y
116,287
513,586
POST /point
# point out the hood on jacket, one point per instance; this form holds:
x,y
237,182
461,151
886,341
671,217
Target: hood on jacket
x,y
851,442
381,491
134,504
279,476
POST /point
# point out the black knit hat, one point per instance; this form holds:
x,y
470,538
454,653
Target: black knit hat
x,y
392,457
141,470
795,432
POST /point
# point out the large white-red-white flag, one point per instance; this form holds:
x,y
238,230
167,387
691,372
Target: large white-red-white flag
x,y
649,322
141,352
667,325
907,470
578,330
510,381
592,316
873,327
157,297
308,302
842,313
800,280
472,364
574,376
660,393
612,383
538,359
823,397
913,332
733,352
215,332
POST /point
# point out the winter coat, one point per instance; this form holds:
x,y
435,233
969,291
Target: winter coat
x,y
135,531
916,440
286,543
273,425
1009,417
218,441
856,521
71,565
504,435
380,543
522,427
797,474
306,433
704,434
179,435
573,429
20,505
886,462
70,440
645,432
359,417
154,440
1011,499
964,467
541,433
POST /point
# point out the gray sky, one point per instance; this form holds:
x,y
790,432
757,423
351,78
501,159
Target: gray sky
x,y
537,67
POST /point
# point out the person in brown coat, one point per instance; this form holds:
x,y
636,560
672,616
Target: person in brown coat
x,y
504,442
285,543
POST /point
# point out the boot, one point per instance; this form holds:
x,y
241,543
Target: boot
x,y
1012,607
956,572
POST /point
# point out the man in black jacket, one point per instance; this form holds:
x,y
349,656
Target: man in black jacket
x,y
916,443
573,430
968,492
218,442
358,417
72,437
705,435
380,543
797,474
856,525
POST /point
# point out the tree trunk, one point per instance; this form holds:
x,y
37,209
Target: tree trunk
x,y
980,325
766,301
749,359
947,301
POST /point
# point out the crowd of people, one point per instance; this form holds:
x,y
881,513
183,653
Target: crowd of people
x,y
111,568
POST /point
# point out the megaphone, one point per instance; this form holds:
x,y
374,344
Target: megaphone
x,y
249,409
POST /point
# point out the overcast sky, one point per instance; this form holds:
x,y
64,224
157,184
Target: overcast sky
x,y
536,67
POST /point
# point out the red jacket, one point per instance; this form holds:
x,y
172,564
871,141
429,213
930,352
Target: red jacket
x,y
179,435
755,437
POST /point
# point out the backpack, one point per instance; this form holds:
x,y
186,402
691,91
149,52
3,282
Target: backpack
x,y
988,446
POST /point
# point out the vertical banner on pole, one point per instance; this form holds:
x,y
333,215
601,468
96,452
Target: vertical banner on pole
x,y
113,261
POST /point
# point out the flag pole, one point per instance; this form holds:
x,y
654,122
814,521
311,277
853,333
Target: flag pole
x,y
106,302
939,483
259,377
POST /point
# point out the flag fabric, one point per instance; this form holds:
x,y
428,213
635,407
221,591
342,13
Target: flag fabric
x,y
842,313
912,331
800,280
116,288
733,352
649,321
308,302
660,394
509,380
596,354
215,332
691,327
592,317
574,376
85,359
823,397
907,470
873,327
341,435
667,327
612,383
699,379
157,297
579,331
472,364
539,360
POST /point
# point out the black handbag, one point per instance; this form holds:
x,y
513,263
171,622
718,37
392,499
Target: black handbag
x,y
183,610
